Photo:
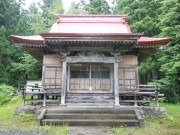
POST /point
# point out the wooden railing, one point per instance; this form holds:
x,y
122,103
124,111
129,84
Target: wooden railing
x,y
41,93
141,93
135,94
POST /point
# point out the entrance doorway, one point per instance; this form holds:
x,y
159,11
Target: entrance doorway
x,y
90,77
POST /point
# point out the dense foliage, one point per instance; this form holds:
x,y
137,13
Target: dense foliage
x,y
5,93
158,18
90,7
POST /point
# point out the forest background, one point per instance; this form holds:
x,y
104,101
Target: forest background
x,y
156,18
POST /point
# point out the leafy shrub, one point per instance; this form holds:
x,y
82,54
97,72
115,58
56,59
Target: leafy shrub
x,y
5,93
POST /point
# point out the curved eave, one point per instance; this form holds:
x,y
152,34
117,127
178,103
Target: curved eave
x,y
28,39
128,35
145,41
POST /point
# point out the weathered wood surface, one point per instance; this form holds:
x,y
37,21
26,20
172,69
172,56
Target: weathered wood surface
x,y
52,72
93,59
83,84
64,76
87,98
128,72
139,117
40,117
116,84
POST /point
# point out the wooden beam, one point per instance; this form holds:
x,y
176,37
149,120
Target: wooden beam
x,y
75,59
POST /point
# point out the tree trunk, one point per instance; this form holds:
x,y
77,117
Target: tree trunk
x,y
145,78
153,73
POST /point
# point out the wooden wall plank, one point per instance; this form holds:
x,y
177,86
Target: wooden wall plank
x,y
128,72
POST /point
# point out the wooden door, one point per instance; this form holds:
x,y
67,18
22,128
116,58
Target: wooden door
x,y
90,77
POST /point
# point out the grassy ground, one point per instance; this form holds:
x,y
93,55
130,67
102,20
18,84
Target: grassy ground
x,y
168,125
154,125
24,122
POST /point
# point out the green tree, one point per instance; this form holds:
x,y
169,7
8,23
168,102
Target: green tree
x,y
169,20
27,68
170,67
75,9
13,20
158,18
170,59
143,15
42,17
90,7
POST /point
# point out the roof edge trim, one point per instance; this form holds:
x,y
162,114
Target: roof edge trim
x,y
24,39
47,34
89,15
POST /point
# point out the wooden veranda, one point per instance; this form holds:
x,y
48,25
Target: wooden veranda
x,y
133,95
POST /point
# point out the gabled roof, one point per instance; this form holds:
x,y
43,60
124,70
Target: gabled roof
x,y
91,24
87,29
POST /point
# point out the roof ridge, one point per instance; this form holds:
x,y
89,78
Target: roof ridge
x,y
91,15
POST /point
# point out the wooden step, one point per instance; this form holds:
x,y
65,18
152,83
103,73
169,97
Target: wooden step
x,y
90,94
86,105
90,101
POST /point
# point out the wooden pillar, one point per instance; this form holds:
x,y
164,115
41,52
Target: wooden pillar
x,y
63,91
68,78
116,84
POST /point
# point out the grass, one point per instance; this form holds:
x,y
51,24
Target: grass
x,y
25,122
156,125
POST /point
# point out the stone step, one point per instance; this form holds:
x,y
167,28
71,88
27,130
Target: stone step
x,y
82,110
89,116
91,122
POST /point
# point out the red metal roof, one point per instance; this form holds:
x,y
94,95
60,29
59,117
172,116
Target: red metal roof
x,y
91,26
153,41
120,35
28,39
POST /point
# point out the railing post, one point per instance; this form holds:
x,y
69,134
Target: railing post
x,y
135,95
156,98
135,99
44,101
23,96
